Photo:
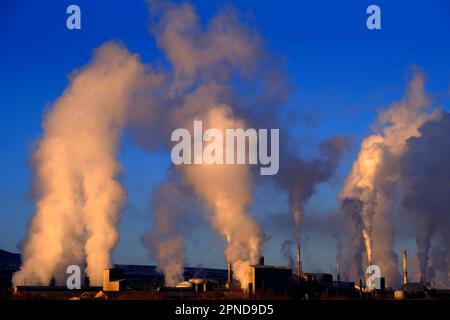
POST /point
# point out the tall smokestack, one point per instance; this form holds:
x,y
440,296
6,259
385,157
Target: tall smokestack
x,y
229,275
299,261
338,272
405,268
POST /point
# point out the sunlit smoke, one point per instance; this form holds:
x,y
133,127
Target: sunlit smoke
x,y
368,244
373,179
165,240
227,191
424,176
75,169
197,88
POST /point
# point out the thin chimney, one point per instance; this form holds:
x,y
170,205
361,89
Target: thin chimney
x,y
405,268
338,271
229,275
299,261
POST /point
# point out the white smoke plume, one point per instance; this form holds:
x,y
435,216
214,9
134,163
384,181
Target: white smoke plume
x,y
424,176
227,191
199,88
205,61
76,171
199,54
370,188
172,201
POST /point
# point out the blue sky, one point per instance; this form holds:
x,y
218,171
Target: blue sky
x,y
342,73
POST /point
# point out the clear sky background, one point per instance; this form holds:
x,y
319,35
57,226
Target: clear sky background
x,y
342,73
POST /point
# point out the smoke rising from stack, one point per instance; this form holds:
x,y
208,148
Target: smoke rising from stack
x,y
286,251
204,60
369,191
227,192
75,171
301,177
424,175
76,168
200,89
165,240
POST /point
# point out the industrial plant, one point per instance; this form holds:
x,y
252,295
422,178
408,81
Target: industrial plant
x,y
134,282
188,141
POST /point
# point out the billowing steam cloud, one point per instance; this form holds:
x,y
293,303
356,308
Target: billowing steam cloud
x,y
425,176
75,169
370,188
170,201
227,191
200,88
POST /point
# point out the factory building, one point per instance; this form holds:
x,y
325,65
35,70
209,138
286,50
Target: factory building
x,y
148,277
324,279
9,263
269,279
142,277
114,280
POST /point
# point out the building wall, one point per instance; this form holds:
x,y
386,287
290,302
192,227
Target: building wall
x,y
266,279
113,280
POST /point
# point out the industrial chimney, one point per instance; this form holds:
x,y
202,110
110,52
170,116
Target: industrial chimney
x,y
261,261
299,261
229,275
405,268
338,272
